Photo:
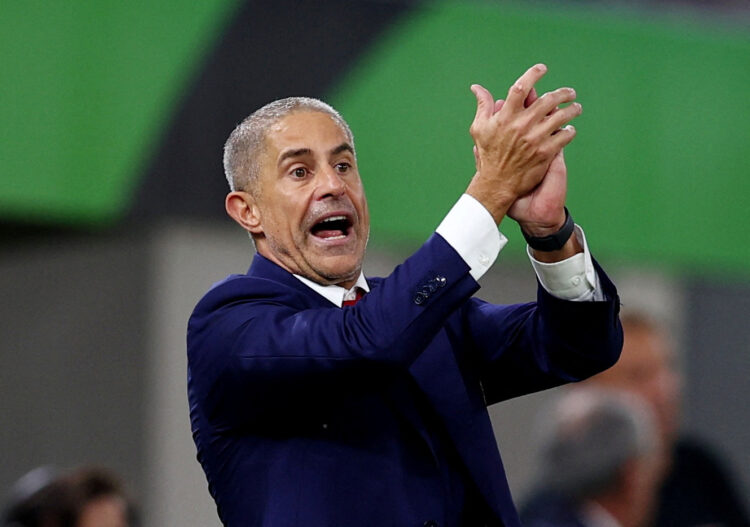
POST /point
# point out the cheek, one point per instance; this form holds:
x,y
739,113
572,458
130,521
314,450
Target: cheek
x,y
283,217
364,213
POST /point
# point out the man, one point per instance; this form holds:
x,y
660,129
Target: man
x,y
83,497
309,411
697,490
601,462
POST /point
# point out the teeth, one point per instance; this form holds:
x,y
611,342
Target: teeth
x,y
334,218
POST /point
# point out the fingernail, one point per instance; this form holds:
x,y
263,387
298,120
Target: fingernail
x,y
541,67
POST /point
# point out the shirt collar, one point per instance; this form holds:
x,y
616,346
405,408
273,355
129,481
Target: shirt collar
x,y
335,293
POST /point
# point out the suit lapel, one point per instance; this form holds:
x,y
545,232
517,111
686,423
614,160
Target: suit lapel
x,y
264,268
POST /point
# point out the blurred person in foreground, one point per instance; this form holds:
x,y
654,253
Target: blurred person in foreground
x,y
84,497
601,462
310,408
697,489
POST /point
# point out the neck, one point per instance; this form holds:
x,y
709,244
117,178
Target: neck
x,y
347,282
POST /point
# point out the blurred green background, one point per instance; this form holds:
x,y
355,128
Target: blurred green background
x,y
658,172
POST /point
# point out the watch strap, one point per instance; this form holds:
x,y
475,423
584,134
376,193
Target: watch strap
x,y
554,241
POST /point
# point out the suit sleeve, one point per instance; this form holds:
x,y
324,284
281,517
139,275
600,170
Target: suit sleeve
x,y
249,341
526,348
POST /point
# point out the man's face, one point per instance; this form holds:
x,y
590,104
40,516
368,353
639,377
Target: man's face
x,y
313,218
647,368
106,511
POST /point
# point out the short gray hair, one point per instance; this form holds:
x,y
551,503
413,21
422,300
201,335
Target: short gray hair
x,y
247,142
587,437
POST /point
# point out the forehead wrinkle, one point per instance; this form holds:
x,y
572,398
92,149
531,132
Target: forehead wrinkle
x,y
282,130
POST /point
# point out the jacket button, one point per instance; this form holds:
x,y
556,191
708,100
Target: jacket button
x,y
419,299
430,523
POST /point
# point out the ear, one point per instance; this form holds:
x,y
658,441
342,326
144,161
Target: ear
x,y
243,208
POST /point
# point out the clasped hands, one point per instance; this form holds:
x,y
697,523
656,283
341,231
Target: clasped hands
x,y
518,149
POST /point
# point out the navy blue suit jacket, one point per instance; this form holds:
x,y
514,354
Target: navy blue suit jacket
x,y
307,414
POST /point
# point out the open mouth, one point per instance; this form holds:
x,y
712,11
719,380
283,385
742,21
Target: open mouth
x,y
335,227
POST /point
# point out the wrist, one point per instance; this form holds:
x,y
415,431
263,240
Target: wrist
x,y
494,200
549,237
571,248
538,229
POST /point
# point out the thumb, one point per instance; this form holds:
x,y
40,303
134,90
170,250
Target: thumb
x,y
557,175
485,102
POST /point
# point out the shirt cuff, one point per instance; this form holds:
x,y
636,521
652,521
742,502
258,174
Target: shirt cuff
x,y
572,279
470,229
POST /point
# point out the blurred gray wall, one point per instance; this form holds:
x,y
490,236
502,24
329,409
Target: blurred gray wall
x,y
73,377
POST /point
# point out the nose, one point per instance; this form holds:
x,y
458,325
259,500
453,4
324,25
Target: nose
x,y
330,183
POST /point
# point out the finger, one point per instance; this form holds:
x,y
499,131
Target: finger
x,y
561,117
485,102
563,137
498,105
530,98
548,102
558,182
523,86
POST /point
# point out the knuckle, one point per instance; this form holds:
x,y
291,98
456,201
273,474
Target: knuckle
x,y
566,92
548,149
517,126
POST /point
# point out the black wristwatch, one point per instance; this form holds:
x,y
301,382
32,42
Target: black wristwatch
x,y
555,241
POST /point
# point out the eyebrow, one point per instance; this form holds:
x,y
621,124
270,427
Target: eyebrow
x,y
343,147
293,153
299,152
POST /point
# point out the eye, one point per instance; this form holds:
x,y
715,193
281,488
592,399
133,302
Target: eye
x,y
299,172
343,167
